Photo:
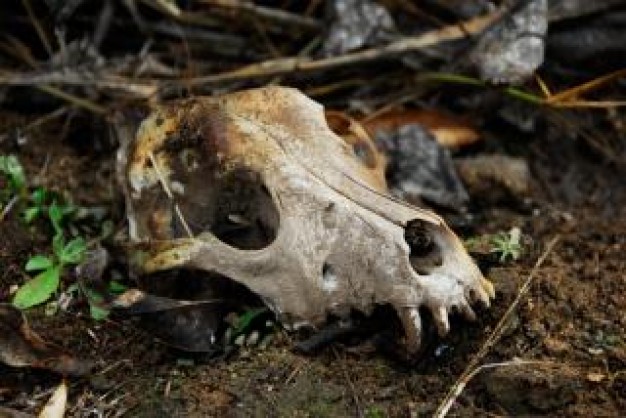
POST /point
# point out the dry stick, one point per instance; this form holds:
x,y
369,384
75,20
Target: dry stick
x,y
75,100
472,368
8,207
142,89
38,28
21,51
46,118
511,363
169,194
573,93
275,15
403,46
279,17
78,101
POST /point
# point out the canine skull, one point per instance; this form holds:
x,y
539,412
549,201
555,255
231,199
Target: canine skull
x,y
255,186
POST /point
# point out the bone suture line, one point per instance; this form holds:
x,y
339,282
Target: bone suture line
x,y
169,194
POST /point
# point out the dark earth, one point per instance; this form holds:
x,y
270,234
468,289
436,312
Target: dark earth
x,y
567,333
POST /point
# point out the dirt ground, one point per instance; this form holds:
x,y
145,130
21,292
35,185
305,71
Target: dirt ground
x,y
568,332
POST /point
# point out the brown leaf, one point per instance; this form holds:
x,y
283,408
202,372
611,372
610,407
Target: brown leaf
x,y
21,347
56,405
449,131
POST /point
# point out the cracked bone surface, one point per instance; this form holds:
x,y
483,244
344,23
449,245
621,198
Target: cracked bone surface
x,y
255,187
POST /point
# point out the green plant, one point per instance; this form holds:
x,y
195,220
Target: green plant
x,y
374,412
43,203
507,244
13,172
95,301
39,203
40,288
253,327
243,324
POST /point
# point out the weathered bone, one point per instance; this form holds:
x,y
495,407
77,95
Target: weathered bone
x,y
255,186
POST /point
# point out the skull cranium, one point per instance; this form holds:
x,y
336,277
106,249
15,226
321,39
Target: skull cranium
x,y
254,186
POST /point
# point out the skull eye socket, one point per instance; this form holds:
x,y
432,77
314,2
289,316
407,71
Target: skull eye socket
x,y
425,254
202,187
234,206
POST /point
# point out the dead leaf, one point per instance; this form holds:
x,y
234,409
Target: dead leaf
x,y
21,347
55,407
449,131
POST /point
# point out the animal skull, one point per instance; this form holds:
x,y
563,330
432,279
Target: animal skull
x,y
255,186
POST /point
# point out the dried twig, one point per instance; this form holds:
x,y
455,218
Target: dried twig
x,y
8,207
141,89
473,368
280,17
38,28
570,97
394,49
75,100
460,385
169,194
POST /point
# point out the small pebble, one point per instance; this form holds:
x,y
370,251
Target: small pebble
x,y
253,339
240,340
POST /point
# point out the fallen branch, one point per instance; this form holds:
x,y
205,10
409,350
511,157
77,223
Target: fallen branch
x,y
75,100
303,65
276,16
140,89
473,368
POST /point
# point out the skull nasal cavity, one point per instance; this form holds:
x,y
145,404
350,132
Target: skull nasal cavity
x,y
236,207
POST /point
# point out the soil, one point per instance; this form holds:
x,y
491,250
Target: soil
x,y
563,351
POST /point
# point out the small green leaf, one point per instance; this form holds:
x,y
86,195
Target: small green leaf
x,y
117,287
95,299
39,196
37,290
30,214
97,312
58,244
55,213
246,319
73,252
38,262
507,244
11,167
